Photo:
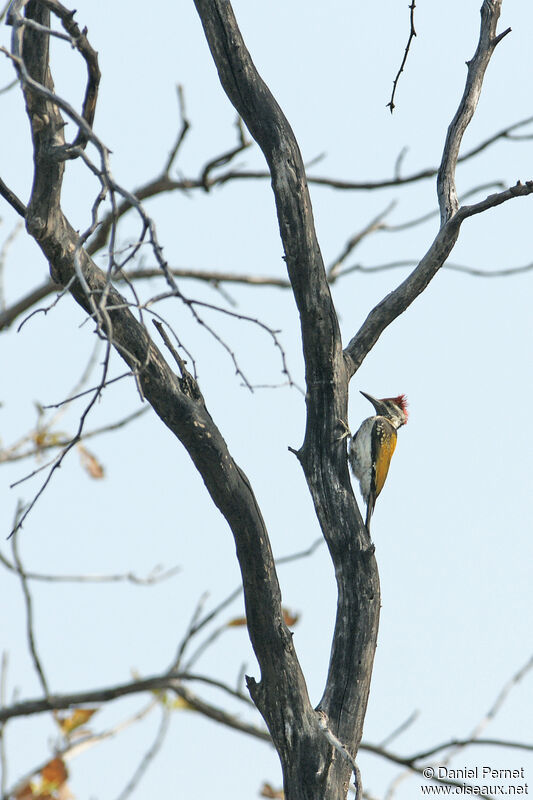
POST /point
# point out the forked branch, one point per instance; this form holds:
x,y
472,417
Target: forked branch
x,y
452,215
322,456
446,189
176,400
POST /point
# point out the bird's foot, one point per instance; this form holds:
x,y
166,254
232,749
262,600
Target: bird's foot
x,y
346,432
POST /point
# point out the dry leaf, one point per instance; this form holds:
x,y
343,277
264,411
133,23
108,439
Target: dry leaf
x,y
64,793
237,622
289,618
90,463
53,776
78,717
55,772
268,791
25,792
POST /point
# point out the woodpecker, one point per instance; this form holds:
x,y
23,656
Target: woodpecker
x,y
370,450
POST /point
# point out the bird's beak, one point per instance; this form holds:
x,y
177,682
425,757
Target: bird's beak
x,y
378,405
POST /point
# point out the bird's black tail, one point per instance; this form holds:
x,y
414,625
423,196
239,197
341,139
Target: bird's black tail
x,y
369,511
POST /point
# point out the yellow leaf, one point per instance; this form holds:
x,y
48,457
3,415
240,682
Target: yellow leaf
x,y
44,438
181,703
39,437
78,717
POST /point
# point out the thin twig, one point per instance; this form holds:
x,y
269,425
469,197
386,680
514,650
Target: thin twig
x,y
176,356
301,553
108,382
148,756
29,609
201,623
56,463
448,265
10,238
491,713
78,746
412,223
10,454
342,749
185,126
3,756
9,195
189,633
156,575
400,729
3,12
374,225
502,697
412,34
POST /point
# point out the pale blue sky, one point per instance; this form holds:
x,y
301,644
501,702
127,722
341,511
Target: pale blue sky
x,y
452,527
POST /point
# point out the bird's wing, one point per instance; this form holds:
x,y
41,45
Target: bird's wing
x,y
383,446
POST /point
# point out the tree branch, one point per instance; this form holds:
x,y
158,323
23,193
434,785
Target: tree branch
x,y
177,400
79,40
452,216
173,681
401,298
446,189
170,681
12,199
322,457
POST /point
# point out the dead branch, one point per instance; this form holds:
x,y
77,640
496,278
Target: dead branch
x,y
446,189
170,681
324,463
178,402
452,216
174,682
80,42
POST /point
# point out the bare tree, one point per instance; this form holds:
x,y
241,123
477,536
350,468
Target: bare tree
x,y
317,746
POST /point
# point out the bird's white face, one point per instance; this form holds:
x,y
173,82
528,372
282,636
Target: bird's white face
x,y
395,413
395,408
